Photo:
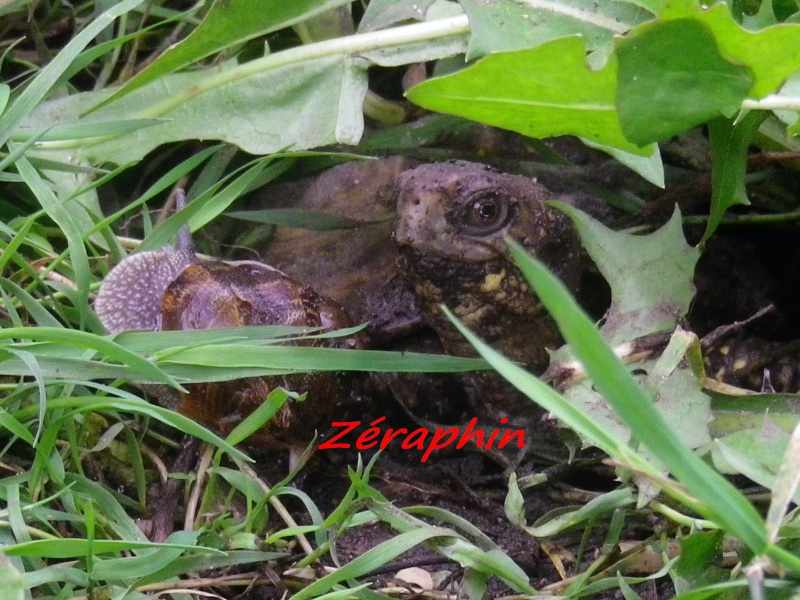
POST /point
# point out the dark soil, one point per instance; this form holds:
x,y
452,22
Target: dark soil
x,y
745,270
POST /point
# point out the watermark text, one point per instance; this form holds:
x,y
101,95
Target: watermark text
x,y
422,438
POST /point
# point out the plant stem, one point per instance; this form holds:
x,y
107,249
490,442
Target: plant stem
x,y
678,517
774,102
729,219
353,44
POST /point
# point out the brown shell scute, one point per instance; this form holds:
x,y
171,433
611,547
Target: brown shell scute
x,y
213,295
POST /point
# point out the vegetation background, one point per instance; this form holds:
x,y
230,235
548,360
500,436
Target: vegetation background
x,y
101,108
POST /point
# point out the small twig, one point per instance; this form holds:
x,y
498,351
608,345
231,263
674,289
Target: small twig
x,y
243,579
766,157
197,489
684,196
715,337
167,501
278,506
161,468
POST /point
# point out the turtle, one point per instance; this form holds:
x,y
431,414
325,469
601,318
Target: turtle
x,y
432,235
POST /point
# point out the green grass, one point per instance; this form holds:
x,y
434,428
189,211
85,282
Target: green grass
x,y
86,148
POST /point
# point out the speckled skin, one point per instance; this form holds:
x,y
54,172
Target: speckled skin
x,y
451,221
170,290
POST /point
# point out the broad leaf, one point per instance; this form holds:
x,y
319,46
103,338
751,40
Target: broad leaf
x,y
649,167
771,55
716,497
312,104
650,275
755,453
664,90
679,399
502,25
541,92
698,565
227,23
729,144
384,13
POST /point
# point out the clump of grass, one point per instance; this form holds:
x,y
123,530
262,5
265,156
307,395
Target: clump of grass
x,y
81,107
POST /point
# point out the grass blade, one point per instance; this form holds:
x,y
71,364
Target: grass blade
x,y
721,501
47,77
85,340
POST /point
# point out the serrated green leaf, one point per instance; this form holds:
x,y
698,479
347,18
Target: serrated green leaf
x,y
785,487
651,276
718,498
697,566
771,54
679,398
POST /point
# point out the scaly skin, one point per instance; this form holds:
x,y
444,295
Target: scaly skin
x,y
452,218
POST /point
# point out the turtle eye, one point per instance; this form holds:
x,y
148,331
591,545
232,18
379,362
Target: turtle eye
x,y
485,216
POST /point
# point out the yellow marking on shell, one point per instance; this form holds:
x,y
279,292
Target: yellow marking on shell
x,y
739,364
492,281
470,312
474,318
